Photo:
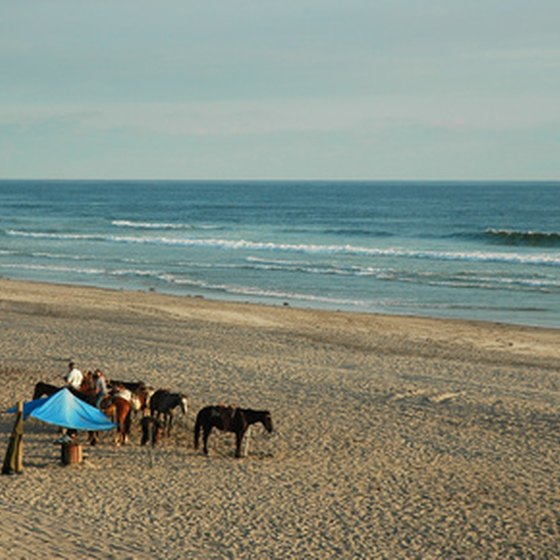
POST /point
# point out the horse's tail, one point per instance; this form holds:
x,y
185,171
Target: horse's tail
x,y
128,421
197,429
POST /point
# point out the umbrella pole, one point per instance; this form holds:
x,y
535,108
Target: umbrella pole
x,y
13,461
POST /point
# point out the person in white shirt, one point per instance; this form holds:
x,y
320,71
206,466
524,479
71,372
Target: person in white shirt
x,y
74,377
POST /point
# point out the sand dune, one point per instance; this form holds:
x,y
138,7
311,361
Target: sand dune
x,y
395,437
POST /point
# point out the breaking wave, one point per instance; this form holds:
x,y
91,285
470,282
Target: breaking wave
x,y
519,237
160,225
542,259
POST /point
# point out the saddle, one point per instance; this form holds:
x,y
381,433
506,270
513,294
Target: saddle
x,y
123,394
227,414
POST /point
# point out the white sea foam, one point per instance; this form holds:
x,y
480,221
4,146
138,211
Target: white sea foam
x,y
161,225
149,225
252,291
543,259
52,268
47,255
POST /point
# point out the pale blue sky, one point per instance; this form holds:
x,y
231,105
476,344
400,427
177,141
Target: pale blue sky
x,y
359,89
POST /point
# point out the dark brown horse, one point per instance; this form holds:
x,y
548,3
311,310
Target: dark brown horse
x,y
228,419
42,388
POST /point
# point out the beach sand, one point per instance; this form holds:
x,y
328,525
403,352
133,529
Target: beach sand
x,y
394,437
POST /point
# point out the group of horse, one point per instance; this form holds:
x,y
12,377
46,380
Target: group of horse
x,y
128,398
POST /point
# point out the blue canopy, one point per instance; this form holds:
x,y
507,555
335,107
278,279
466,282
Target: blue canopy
x,y
29,406
65,410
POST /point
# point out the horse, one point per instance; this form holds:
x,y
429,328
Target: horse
x,y
141,394
163,402
85,393
132,386
229,419
85,390
152,430
42,388
118,408
141,399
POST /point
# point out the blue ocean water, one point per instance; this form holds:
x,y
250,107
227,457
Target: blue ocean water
x,y
488,251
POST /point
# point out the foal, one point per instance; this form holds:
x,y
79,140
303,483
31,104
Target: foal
x,y
152,430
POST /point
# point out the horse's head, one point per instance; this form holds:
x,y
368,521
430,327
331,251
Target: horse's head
x,y
88,382
149,392
267,421
183,404
37,392
136,402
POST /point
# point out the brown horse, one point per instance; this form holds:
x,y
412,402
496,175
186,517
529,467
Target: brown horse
x,y
117,408
228,419
141,393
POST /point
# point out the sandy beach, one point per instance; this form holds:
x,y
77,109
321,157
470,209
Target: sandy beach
x,y
395,437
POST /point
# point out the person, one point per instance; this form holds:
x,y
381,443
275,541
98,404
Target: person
x,y
100,384
74,377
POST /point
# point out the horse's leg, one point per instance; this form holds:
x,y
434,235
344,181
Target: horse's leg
x,y
238,440
122,412
120,428
206,430
117,419
126,423
170,422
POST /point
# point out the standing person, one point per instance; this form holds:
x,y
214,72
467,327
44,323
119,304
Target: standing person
x,y
74,377
100,384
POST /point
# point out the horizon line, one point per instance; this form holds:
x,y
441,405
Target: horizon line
x,y
277,180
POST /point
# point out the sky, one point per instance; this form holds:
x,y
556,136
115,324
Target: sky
x,y
290,89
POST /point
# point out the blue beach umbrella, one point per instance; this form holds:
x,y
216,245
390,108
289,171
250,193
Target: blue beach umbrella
x,y
67,411
29,407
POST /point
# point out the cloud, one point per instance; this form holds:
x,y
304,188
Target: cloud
x,y
334,81
238,118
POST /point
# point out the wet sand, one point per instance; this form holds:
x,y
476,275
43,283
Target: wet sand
x,y
394,437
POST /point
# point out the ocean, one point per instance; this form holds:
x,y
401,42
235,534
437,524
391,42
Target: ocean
x,y
484,250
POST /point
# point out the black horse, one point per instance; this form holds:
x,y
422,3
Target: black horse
x,y
42,388
229,419
163,402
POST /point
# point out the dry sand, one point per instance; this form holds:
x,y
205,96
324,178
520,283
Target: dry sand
x,y
396,437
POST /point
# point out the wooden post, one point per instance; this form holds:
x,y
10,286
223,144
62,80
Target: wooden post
x,y
13,461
